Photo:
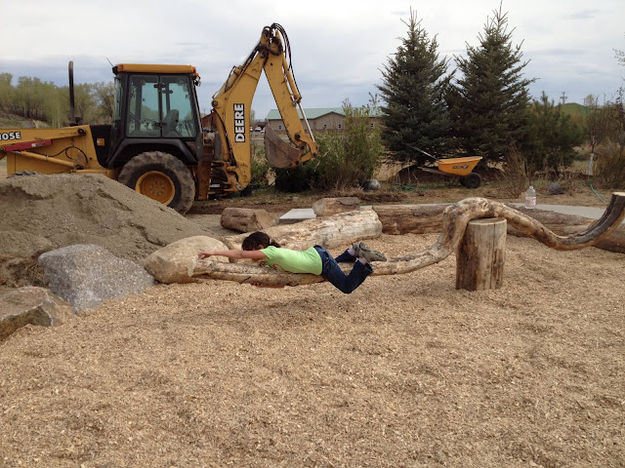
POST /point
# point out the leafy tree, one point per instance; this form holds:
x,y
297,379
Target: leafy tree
x,y
552,136
620,56
6,91
104,94
414,88
351,157
346,159
489,103
602,122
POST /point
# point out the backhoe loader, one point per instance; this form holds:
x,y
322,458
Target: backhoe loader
x,y
156,144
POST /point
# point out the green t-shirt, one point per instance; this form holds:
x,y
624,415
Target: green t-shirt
x,y
294,261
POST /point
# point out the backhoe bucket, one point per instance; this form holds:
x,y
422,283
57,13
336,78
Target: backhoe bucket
x,y
278,152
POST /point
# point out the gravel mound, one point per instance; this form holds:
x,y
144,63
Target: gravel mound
x,y
69,209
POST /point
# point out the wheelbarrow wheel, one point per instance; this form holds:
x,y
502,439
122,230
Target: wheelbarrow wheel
x,y
471,180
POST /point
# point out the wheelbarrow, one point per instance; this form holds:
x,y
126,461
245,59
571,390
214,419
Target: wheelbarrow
x,y
455,167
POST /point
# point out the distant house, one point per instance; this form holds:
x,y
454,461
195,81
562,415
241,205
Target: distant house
x,y
320,119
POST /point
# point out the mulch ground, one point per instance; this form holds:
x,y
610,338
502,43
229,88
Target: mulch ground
x,y
406,371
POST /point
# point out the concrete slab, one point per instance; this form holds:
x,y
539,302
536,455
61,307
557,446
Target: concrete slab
x,y
296,215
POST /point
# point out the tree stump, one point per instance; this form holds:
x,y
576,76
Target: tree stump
x,y
481,255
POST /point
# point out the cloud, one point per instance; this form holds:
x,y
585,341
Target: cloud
x,y
338,47
583,15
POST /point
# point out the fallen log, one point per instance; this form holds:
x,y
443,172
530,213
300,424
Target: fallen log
x,y
329,231
423,219
246,219
416,219
565,224
455,219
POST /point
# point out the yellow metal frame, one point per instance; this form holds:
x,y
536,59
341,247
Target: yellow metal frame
x,y
71,150
239,88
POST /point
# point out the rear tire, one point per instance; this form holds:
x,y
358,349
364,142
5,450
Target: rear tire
x,y
472,180
161,177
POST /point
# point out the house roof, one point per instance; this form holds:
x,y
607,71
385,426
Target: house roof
x,y
313,113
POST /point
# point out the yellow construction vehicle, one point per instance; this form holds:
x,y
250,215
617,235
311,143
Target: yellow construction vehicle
x,y
156,144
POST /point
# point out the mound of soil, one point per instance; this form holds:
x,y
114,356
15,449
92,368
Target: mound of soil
x,y
68,209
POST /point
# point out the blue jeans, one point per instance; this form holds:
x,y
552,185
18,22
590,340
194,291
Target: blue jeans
x,y
331,271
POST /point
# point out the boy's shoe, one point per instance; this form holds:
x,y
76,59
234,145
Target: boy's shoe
x,y
367,253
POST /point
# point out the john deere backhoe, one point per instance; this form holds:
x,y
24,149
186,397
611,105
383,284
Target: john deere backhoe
x,y
156,144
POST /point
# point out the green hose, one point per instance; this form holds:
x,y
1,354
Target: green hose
x,y
595,192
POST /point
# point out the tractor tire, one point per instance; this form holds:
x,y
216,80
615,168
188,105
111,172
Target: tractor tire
x,y
472,180
161,177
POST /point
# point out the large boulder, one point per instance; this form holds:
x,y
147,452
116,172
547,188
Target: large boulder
x,y
86,275
175,262
31,305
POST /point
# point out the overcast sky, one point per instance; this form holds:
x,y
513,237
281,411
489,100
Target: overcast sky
x,y
338,47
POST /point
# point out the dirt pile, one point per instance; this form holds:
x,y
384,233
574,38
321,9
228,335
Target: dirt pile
x,y
65,209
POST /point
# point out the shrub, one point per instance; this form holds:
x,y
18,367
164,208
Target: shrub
x,y
346,159
260,166
610,165
513,179
350,158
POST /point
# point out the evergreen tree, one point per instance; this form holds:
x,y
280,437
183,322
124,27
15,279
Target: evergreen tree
x,y
414,86
489,103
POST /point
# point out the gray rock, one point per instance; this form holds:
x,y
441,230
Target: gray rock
x,y
86,275
555,189
31,305
371,185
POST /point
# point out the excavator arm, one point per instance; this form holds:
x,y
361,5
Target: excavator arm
x,y
232,111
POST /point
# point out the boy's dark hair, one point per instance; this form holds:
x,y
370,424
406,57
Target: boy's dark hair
x,y
258,240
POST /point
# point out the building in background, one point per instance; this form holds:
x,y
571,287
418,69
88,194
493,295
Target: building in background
x,y
320,119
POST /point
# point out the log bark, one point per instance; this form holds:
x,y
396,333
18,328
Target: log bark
x,y
332,206
455,219
246,219
330,231
417,219
481,255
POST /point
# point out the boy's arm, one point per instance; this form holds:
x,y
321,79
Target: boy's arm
x,y
252,254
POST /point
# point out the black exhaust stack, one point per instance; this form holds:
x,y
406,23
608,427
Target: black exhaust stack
x,y
73,120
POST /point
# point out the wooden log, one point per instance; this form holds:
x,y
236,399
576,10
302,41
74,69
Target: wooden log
x,y
329,231
565,224
481,255
455,219
417,219
246,219
332,206
423,219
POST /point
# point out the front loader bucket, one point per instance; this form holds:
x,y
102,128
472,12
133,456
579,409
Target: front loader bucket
x,y
278,152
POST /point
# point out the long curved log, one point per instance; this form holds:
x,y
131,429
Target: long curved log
x,y
455,219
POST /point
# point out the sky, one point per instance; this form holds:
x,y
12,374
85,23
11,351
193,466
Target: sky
x,y
338,47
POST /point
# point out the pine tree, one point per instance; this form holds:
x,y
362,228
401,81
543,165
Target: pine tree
x,y
414,86
489,103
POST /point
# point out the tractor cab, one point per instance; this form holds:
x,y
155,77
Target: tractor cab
x,y
155,107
